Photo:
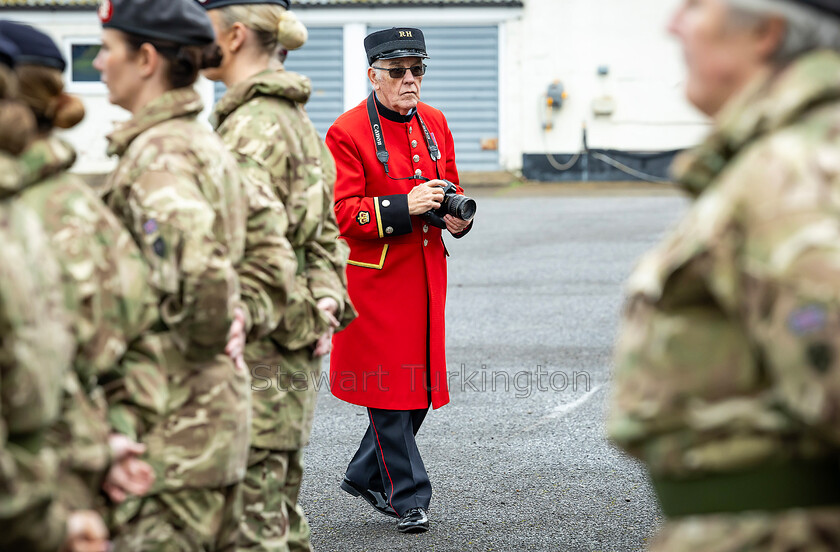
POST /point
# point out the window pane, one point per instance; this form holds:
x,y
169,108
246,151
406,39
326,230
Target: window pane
x,y
82,65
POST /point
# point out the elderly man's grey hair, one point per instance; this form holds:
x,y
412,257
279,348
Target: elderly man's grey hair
x,y
807,28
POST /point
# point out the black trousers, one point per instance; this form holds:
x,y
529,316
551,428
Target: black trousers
x,y
388,459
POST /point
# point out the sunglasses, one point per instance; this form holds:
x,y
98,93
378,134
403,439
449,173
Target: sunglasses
x,y
399,72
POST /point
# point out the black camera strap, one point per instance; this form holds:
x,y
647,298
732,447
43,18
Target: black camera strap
x,y
431,143
379,139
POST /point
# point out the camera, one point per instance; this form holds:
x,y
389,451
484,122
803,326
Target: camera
x,y
458,206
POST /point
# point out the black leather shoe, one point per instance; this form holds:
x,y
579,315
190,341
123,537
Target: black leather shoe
x,y
414,521
375,498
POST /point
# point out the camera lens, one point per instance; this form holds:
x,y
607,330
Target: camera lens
x,y
461,207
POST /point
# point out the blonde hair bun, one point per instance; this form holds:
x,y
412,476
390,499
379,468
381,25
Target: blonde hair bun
x,y
291,33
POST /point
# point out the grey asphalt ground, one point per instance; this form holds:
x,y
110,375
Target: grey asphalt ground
x,y
535,289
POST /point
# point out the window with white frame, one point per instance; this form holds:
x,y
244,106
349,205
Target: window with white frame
x,y
81,76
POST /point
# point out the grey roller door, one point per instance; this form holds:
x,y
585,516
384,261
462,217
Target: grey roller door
x,y
320,59
463,82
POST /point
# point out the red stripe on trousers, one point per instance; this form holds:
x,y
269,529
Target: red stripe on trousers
x,y
382,454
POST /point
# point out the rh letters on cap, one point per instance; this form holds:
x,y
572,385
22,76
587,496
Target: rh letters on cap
x,y
405,34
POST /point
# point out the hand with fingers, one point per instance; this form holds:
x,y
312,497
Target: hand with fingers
x,y
128,475
329,307
425,197
86,532
235,348
455,225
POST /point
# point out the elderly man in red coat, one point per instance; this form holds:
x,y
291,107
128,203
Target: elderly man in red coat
x,y
395,156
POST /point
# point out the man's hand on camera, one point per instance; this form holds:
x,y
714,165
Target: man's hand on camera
x,y
425,197
455,225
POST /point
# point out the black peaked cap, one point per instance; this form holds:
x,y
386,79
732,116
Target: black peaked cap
x,y
178,21
395,43
830,6
33,46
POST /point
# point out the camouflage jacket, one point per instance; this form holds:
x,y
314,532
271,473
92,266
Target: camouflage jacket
x,y
11,175
36,350
263,122
728,355
108,297
178,192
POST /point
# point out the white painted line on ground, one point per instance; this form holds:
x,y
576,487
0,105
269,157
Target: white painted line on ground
x,y
563,409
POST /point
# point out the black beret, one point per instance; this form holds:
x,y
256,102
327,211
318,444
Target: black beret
x,y
179,21
8,51
214,4
395,43
830,6
34,47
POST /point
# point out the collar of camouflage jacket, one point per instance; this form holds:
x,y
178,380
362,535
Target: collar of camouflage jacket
x,y
44,158
273,83
182,102
11,175
770,102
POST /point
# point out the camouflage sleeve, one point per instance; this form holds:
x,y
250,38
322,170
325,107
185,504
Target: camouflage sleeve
x,y
793,298
173,224
791,290
137,389
30,516
80,438
326,255
268,268
31,372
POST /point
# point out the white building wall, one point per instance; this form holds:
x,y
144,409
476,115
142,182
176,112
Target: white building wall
x,y
548,40
568,40
89,137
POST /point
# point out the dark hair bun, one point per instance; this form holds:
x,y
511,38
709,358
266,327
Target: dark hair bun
x,y
68,112
17,126
211,56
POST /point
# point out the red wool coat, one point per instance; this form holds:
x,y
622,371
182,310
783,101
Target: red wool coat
x,y
392,356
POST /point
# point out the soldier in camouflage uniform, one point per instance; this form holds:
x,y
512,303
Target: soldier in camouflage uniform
x,y
31,371
104,276
36,349
179,193
727,376
263,122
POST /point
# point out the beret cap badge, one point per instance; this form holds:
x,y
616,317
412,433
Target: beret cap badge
x,y
106,11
